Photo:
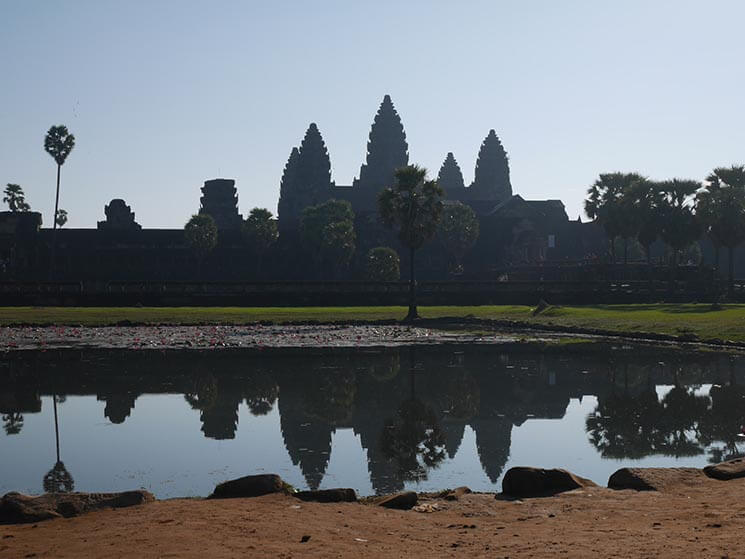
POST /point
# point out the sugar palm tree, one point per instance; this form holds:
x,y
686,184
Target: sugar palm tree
x,y
58,143
414,206
721,209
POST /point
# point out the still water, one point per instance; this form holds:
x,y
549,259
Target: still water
x,y
426,419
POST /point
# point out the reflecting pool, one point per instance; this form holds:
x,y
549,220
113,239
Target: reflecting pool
x,y
377,420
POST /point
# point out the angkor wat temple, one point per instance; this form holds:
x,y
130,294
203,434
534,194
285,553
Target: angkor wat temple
x,y
513,231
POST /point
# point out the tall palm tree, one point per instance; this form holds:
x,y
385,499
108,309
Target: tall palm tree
x,y
58,143
414,206
721,209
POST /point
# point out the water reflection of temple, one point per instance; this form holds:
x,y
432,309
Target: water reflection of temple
x,y
409,407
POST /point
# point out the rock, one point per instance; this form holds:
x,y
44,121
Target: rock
x,y
16,508
456,493
336,495
731,469
654,479
401,501
249,486
523,481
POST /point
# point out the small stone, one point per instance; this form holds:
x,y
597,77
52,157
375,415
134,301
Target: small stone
x,y
304,539
401,501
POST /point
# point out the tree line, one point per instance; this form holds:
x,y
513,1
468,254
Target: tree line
x,y
413,206
679,212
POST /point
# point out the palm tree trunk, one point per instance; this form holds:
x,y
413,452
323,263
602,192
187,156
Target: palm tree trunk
x,y
650,269
731,275
54,226
412,288
625,251
56,423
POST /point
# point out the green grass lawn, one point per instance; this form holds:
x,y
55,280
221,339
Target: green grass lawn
x,y
684,319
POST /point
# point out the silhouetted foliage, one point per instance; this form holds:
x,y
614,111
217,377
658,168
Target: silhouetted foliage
x,y
609,202
459,230
413,205
450,176
414,439
15,198
12,423
61,217
387,149
58,143
720,208
491,179
382,264
260,233
679,225
327,230
200,233
58,479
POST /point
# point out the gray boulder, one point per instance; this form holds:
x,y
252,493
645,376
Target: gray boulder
x,y
336,495
524,481
249,486
17,508
731,469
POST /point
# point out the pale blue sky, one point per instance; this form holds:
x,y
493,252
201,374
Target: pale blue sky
x,y
162,95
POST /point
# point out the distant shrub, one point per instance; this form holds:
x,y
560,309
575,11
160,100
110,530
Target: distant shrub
x,y
382,264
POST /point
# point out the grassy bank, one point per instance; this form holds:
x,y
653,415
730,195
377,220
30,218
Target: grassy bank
x,y
692,320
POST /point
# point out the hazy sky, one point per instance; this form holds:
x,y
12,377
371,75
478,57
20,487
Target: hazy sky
x,y
162,95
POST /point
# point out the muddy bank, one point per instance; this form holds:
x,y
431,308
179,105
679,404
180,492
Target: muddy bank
x,y
703,519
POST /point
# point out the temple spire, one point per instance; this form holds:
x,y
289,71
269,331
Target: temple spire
x,y
387,149
450,176
286,209
313,168
492,177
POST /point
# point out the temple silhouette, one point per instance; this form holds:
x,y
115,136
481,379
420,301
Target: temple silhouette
x,y
514,231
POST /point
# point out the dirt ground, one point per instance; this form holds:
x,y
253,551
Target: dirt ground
x,y
700,518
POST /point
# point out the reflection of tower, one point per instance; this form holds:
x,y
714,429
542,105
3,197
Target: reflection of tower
x,y
307,439
118,405
493,439
220,419
453,431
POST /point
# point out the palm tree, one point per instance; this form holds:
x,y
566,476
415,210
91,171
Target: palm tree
x,y
414,206
721,209
608,204
260,233
58,143
200,233
679,226
15,198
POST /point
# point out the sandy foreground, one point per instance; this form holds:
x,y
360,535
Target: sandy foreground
x,y
696,518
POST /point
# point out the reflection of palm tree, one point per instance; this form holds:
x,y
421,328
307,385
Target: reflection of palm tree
x,y
13,423
414,439
261,393
683,412
58,479
724,419
625,425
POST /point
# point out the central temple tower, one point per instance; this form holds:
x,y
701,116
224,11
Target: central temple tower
x,y
387,150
